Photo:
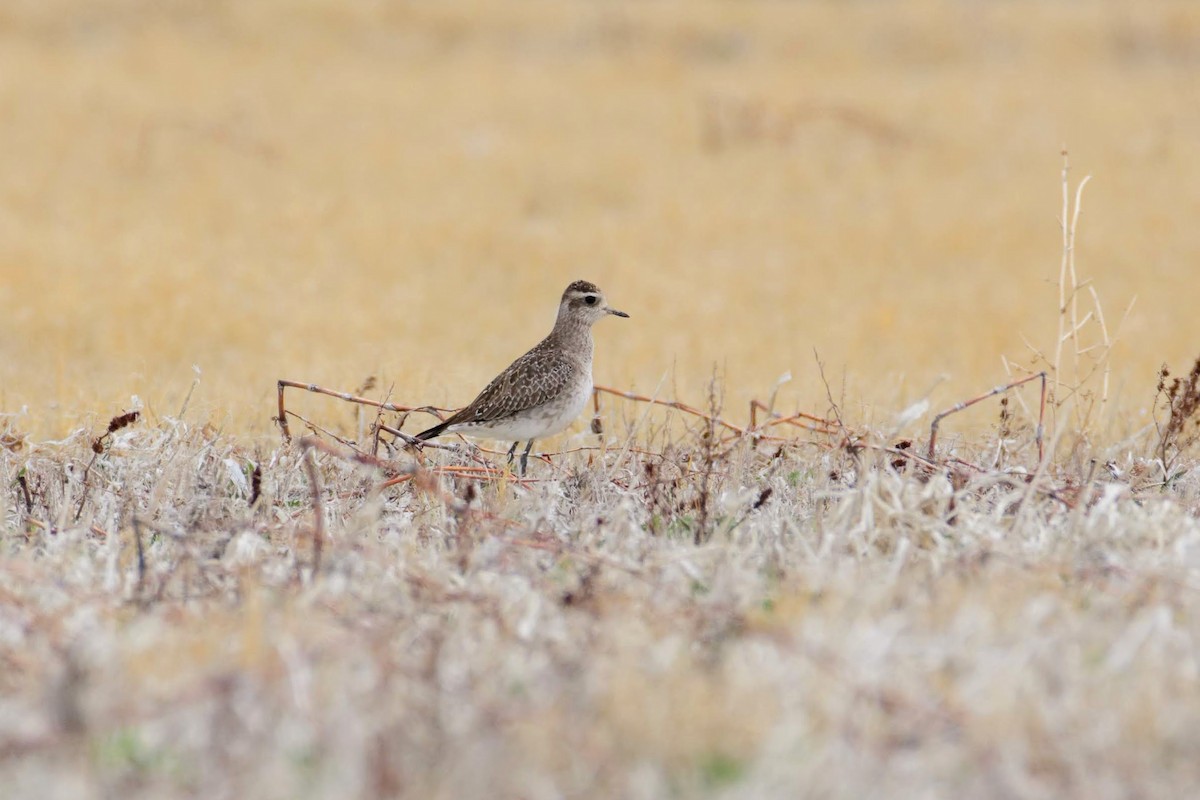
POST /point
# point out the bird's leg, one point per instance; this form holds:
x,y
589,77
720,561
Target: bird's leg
x,y
511,452
525,456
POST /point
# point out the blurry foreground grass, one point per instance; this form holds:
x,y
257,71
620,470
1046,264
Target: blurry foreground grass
x,y
699,616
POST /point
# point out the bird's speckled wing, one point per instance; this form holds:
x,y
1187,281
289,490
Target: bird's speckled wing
x,y
532,380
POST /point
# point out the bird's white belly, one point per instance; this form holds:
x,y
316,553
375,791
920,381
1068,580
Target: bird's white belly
x,y
540,422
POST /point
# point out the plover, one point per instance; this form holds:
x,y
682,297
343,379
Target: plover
x,y
543,391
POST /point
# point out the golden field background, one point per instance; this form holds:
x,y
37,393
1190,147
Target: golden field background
x,y
325,191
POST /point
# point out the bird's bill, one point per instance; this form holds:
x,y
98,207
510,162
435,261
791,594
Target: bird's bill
x,y
616,313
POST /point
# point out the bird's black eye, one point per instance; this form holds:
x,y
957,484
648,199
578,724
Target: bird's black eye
x,y
591,299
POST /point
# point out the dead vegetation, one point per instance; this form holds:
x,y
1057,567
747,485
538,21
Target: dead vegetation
x,y
1179,399
683,605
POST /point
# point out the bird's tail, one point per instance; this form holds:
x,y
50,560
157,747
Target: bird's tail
x,y
436,430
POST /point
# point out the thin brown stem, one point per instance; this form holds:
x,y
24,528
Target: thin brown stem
x,y
318,530
933,428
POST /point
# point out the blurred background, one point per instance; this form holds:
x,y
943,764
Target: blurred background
x,y
328,190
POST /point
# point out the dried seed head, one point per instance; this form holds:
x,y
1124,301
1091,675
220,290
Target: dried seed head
x,y
120,421
763,497
255,483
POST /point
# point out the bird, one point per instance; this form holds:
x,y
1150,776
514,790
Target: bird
x,y
543,391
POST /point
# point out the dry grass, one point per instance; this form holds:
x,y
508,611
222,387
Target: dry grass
x,y
852,625
679,606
